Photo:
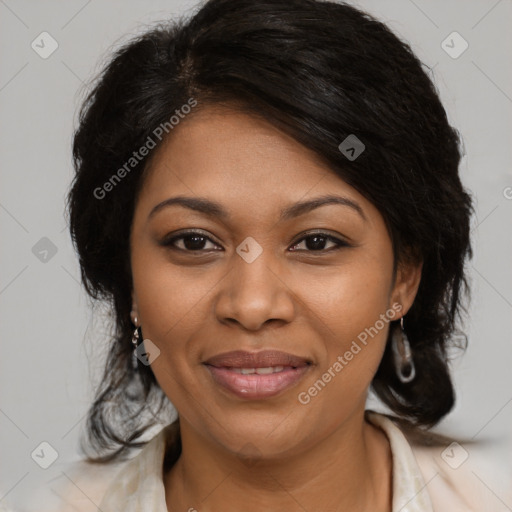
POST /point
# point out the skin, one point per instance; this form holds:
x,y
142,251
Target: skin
x,y
276,453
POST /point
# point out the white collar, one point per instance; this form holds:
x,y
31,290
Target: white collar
x,y
139,486
409,488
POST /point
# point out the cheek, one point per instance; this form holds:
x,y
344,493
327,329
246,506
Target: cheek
x,y
348,298
171,307
169,298
353,314
171,304
355,309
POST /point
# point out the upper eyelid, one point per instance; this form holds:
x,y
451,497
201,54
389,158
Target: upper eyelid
x,y
177,236
170,240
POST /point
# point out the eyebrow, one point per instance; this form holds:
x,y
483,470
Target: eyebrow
x,y
214,209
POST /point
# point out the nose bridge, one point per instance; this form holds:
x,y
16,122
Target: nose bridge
x,y
253,293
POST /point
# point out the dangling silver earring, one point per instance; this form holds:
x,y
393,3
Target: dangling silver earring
x,y
402,354
135,340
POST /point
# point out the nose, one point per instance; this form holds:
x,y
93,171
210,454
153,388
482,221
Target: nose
x,y
253,294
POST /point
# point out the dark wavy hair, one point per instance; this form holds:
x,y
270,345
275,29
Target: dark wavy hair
x,y
319,71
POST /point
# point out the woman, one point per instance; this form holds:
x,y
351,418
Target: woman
x,y
268,195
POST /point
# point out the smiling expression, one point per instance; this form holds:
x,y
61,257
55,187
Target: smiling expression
x,y
243,240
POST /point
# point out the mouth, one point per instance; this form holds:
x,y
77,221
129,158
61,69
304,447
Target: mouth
x,y
259,375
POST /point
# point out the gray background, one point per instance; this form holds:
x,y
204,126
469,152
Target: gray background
x,y
51,341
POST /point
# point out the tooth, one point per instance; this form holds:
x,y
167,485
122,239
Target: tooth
x,y
270,369
260,371
264,371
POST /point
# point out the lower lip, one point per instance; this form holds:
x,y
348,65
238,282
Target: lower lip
x,y
254,386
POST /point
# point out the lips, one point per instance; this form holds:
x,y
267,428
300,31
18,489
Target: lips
x,y
259,375
264,359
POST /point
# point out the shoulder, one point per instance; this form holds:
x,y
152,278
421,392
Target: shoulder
x,y
464,475
78,486
82,486
458,475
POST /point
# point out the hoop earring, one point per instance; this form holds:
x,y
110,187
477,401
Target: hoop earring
x,y
137,334
402,354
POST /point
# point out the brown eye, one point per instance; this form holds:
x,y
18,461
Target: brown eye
x,y
191,241
317,242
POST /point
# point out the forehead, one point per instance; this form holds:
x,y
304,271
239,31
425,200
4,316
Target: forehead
x,y
241,161
217,143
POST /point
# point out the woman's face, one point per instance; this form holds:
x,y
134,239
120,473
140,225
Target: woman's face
x,y
262,273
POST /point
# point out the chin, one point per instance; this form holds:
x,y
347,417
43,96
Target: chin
x,y
259,436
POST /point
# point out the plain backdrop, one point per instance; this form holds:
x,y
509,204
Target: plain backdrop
x,y
52,345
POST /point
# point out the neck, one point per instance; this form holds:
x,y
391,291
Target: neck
x,y
349,470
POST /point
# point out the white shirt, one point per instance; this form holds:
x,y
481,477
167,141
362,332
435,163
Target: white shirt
x,y
425,479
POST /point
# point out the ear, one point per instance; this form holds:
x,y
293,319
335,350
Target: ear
x,y
407,282
135,310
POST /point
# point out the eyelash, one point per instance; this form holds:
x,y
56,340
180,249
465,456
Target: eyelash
x,y
169,242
